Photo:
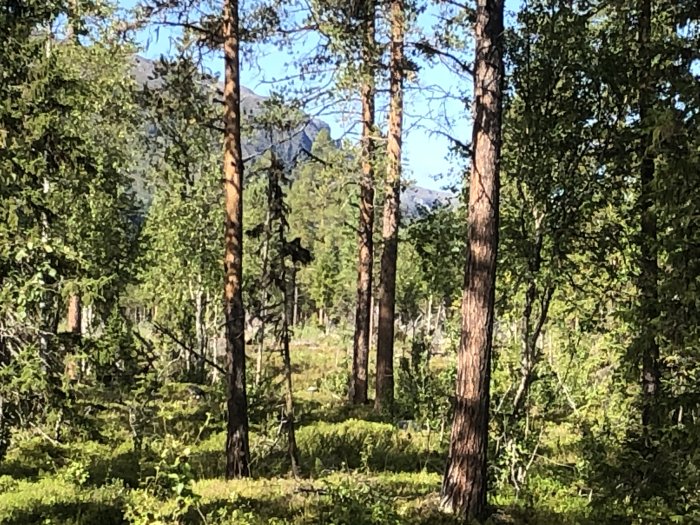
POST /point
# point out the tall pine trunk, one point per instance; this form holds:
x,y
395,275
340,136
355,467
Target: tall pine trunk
x,y
464,484
390,228
237,462
648,263
286,359
360,361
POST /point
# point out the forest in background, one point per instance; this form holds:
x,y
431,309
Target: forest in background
x,y
209,316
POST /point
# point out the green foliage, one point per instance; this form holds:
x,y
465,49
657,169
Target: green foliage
x,y
646,478
423,393
411,289
87,420
337,381
67,150
89,462
53,500
166,496
321,215
179,271
349,503
355,444
115,354
438,235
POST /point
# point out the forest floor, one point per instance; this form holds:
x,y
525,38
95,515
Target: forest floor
x,y
358,468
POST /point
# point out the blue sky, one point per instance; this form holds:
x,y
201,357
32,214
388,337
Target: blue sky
x,y
428,113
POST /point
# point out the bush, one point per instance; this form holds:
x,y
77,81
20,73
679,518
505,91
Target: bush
x,y
352,503
82,462
362,444
190,411
55,500
647,478
165,497
207,458
336,382
423,393
30,457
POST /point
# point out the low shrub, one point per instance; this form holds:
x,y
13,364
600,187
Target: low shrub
x,y
207,458
423,391
55,500
166,496
358,444
348,502
190,411
35,457
31,456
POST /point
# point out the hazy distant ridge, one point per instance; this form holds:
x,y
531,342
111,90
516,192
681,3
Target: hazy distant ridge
x,y
291,145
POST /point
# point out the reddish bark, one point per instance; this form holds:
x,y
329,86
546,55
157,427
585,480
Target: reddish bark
x,y
237,455
390,228
465,481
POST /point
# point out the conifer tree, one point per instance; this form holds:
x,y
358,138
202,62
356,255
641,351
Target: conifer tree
x,y
464,487
362,336
390,225
237,462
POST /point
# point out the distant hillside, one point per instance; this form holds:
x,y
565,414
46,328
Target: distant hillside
x,y
291,145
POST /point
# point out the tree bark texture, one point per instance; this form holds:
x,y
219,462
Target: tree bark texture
x,y
361,342
384,398
465,480
237,455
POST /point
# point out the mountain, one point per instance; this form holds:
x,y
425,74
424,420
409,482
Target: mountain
x,y
291,145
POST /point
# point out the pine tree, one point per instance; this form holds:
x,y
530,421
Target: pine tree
x,y
237,462
362,336
464,487
390,226
66,131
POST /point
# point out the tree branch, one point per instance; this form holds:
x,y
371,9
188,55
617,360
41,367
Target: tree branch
x,y
164,331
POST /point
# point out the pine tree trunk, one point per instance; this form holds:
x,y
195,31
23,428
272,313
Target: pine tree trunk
x,y
464,484
280,278
75,314
372,321
390,228
648,263
363,313
289,400
295,288
287,363
428,315
263,313
237,462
